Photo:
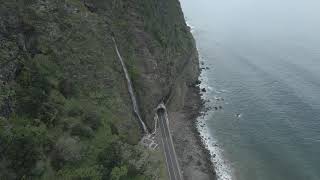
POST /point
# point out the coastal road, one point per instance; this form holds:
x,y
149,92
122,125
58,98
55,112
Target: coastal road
x,y
165,135
168,148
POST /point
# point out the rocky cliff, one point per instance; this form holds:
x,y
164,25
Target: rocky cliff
x,y
160,52
64,108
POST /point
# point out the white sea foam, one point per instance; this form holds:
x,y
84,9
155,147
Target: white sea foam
x,y
222,166
190,26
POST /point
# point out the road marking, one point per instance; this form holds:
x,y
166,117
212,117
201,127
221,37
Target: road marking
x,y
169,148
166,148
165,157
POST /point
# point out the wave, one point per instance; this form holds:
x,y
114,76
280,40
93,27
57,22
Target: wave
x,y
222,166
190,26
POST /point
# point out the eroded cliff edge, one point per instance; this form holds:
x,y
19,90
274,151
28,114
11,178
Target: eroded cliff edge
x,y
168,66
63,101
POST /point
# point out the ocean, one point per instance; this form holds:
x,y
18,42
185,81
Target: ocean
x,y
261,61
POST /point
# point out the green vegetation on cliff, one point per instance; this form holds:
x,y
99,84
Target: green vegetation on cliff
x,y
64,108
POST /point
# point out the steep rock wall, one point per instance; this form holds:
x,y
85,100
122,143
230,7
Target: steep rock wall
x,y
160,52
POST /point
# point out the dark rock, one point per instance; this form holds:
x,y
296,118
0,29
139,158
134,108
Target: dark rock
x,y
199,163
6,107
203,90
90,6
198,82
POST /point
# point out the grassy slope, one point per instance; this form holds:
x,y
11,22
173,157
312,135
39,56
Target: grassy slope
x,y
68,104
63,99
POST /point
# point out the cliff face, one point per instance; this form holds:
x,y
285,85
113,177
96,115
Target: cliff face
x,y
64,107
160,51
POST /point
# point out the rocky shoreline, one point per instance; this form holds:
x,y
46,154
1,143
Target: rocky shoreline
x,y
194,158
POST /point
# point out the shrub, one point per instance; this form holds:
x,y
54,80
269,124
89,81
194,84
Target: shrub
x,y
75,110
114,129
68,123
23,148
66,150
133,70
48,113
118,172
84,173
109,158
67,88
93,119
81,131
33,89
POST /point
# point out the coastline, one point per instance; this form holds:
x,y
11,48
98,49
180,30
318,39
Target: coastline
x,y
222,167
193,156
214,154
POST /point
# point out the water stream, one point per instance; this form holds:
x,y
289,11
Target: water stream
x,y
130,89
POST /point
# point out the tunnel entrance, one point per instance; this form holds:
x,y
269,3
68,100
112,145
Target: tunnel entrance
x,y
161,111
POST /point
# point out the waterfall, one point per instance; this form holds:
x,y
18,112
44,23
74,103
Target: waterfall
x,y
130,89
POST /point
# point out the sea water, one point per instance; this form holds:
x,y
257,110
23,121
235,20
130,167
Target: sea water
x,y
262,80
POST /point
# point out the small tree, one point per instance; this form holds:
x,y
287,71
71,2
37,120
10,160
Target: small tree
x,y
109,158
24,146
67,88
93,119
118,172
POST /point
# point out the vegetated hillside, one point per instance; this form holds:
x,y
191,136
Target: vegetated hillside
x,y
64,108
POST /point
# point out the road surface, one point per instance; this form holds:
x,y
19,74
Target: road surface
x,y
168,148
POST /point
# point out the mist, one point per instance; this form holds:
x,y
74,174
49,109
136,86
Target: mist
x,y
263,58
257,19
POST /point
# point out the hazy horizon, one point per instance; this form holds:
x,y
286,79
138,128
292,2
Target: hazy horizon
x,y
264,60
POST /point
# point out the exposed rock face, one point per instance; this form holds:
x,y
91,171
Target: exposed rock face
x,y
163,53
10,52
165,60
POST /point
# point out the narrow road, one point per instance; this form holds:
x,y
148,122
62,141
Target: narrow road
x,y
168,148
166,139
